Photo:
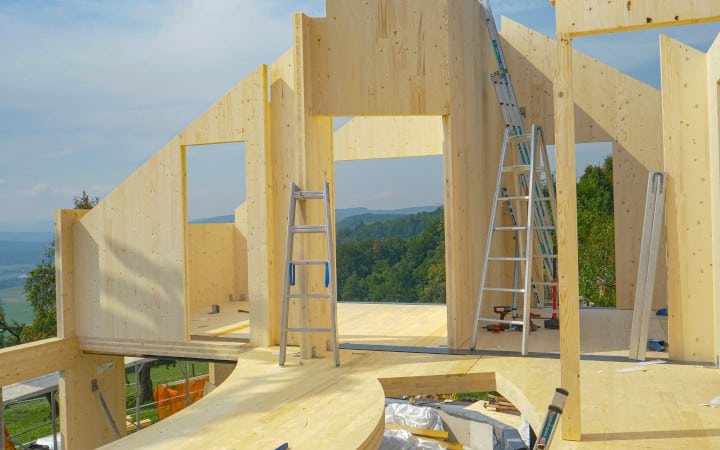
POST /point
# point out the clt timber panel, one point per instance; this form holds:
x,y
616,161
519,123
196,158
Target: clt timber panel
x,y
713,86
129,255
601,16
380,57
688,201
388,137
84,423
212,264
609,106
472,140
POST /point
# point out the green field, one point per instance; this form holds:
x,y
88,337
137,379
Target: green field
x,y
16,307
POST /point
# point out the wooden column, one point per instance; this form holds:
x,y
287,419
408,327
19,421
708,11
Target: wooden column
x,y
567,237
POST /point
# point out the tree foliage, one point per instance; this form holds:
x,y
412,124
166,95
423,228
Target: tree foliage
x,y
596,234
394,268
40,292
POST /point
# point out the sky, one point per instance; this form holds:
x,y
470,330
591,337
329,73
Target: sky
x,y
90,90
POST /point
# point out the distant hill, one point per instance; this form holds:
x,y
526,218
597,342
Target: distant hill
x,y
378,215
380,226
18,236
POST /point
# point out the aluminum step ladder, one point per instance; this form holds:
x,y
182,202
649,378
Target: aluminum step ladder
x,y
514,117
526,183
297,195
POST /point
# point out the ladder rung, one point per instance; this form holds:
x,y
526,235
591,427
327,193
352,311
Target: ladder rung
x,y
503,289
306,195
548,256
308,229
515,169
506,258
308,329
519,138
545,227
301,262
514,197
495,320
546,283
510,228
308,295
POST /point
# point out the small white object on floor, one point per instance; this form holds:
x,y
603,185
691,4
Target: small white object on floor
x,y
714,402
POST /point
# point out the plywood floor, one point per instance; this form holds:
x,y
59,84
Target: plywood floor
x,y
312,404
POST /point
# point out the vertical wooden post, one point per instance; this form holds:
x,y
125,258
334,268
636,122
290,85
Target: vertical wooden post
x,y
567,237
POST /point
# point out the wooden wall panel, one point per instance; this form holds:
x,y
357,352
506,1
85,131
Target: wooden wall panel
x,y
65,270
609,106
713,85
241,253
601,16
212,264
687,212
301,153
388,137
564,104
83,422
129,255
380,57
473,135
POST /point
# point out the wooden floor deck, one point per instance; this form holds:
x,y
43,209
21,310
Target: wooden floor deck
x,y
312,404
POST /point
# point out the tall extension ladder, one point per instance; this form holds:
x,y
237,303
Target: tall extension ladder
x,y
290,264
531,179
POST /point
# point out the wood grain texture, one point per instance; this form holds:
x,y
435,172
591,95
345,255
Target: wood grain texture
x,y
214,264
388,137
578,18
380,57
473,136
25,361
129,255
84,424
568,294
65,270
609,107
688,201
713,86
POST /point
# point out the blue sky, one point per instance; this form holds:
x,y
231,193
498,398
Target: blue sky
x,y
90,90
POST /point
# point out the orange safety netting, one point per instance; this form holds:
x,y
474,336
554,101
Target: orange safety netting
x,y
171,399
8,443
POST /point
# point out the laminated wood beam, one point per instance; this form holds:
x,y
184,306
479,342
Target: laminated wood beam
x,y
388,137
438,384
26,361
65,270
586,17
688,201
567,238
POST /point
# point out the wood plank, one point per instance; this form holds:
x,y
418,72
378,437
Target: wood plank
x,y
418,431
609,107
392,53
567,238
388,137
25,361
219,351
581,18
438,384
688,216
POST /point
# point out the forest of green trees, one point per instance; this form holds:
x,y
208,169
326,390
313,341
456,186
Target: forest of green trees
x,y
403,259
